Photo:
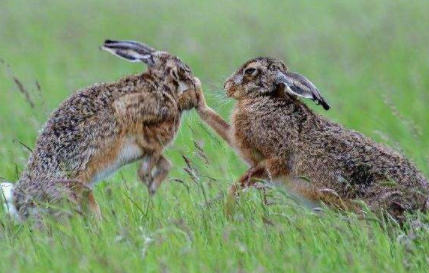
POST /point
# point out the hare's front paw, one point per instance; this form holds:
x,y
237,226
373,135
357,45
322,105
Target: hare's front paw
x,y
151,184
148,179
152,188
145,177
201,101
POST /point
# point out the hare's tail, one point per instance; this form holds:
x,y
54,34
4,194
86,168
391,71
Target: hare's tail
x,y
6,194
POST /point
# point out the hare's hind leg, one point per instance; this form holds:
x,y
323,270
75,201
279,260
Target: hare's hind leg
x,y
82,196
92,205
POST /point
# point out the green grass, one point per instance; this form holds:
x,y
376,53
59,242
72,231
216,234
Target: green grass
x,y
370,59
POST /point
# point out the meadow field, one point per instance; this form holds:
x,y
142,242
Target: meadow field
x,y
370,59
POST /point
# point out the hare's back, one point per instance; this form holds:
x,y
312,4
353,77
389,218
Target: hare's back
x,y
356,158
76,131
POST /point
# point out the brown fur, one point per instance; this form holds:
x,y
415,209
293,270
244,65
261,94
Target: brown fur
x,y
86,134
280,137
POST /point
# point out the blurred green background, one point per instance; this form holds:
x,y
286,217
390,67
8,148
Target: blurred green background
x,y
370,59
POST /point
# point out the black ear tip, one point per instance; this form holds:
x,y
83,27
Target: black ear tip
x,y
326,106
108,41
321,101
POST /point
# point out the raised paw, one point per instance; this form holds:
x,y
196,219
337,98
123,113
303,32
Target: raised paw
x,y
145,177
148,179
152,188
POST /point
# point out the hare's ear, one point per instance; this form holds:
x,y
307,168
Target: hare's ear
x,y
130,50
299,85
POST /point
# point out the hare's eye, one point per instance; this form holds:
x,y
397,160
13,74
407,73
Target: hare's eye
x,y
249,71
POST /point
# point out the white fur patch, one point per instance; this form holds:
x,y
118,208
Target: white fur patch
x,y
182,87
131,53
6,194
129,152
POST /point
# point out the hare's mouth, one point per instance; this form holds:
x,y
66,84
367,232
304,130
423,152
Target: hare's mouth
x,y
232,92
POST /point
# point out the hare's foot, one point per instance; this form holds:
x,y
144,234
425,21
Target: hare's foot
x,y
267,169
246,180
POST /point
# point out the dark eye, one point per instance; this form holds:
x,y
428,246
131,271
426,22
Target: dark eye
x,y
249,71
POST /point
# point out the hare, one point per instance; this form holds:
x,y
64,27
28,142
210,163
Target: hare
x,y
104,127
280,137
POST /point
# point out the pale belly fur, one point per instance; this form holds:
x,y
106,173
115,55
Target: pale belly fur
x,y
128,153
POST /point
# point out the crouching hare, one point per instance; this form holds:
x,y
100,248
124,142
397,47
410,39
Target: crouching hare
x,y
280,137
103,127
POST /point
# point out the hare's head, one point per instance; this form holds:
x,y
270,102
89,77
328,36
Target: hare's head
x,y
175,74
263,76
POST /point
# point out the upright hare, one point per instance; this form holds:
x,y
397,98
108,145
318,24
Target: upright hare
x,y
280,137
105,126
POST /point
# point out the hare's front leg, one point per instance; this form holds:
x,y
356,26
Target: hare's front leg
x,y
145,171
162,167
265,169
248,178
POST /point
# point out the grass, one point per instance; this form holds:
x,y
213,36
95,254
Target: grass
x,y
369,59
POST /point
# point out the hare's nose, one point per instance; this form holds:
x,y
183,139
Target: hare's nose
x,y
227,85
197,82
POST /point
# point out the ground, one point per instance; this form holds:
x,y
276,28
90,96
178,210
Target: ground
x,y
370,60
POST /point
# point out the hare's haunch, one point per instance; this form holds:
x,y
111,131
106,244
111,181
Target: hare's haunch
x,y
105,126
280,137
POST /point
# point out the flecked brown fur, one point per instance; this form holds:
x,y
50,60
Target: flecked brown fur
x,y
85,135
280,137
